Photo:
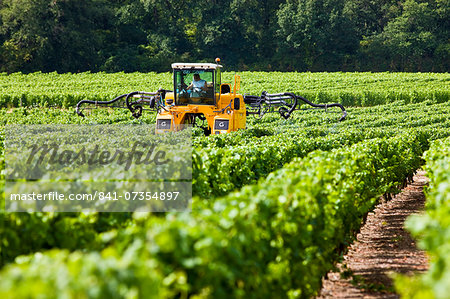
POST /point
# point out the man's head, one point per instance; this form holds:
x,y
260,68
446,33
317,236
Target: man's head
x,y
196,77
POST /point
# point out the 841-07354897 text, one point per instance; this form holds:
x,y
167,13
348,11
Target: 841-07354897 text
x,y
139,195
97,195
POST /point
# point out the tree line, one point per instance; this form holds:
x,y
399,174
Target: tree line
x,y
289,35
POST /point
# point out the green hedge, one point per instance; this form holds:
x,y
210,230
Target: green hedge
x,y
222,163
350,89
433,229
24,233
277,237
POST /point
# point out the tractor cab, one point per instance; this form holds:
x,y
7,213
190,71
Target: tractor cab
x,y
196,83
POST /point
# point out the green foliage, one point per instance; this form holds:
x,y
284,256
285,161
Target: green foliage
x,y
277,237
64,90
78,275
285,35
433,228
318,34
23,233
221,169
52,35
223,163
412,38
294,210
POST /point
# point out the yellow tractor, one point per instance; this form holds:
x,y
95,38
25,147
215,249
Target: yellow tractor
x,y
199,95
199,98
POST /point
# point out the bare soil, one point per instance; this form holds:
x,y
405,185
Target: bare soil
x,y
382,247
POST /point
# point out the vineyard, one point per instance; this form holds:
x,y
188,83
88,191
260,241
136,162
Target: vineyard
x,y
350,89
274,206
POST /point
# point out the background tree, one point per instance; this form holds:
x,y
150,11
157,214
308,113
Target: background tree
x,y
441,57
26,40
148,35
318,34
409,39
63,35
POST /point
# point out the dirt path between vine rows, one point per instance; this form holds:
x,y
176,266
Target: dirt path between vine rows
x,y
382,247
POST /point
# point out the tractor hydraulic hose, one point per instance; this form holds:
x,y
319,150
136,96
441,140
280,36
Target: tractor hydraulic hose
x,y
97,103
153,103
284,112
127,100
344,113
136,112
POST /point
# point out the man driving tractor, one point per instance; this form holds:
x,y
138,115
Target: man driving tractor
x,y
198,87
